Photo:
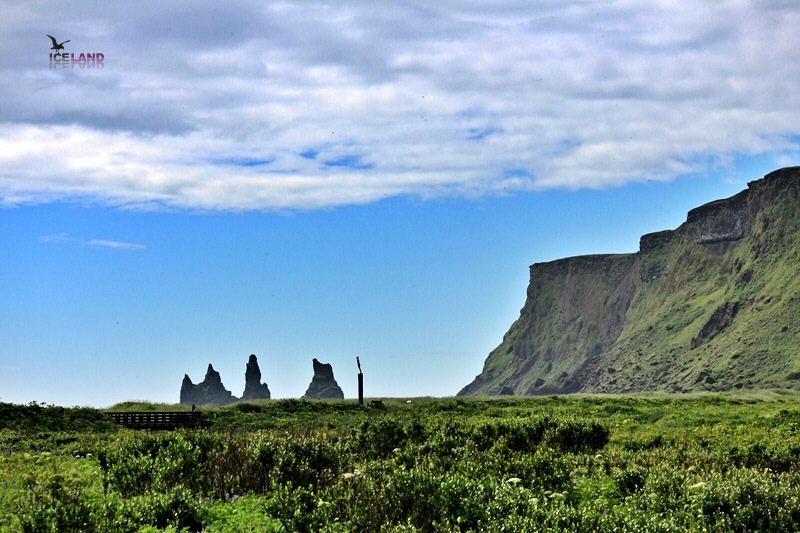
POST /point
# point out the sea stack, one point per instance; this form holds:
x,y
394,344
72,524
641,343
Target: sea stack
x,y
323,385
253,388
210,391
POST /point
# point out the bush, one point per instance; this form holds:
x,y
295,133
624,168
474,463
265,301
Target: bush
x,y
577,436
468,466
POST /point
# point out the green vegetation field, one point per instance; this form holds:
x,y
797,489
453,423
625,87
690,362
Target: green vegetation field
x,y
722,462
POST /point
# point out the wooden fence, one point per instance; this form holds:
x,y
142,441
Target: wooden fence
x,y
157,420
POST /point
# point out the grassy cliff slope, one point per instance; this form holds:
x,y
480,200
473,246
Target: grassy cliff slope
x,y
712,305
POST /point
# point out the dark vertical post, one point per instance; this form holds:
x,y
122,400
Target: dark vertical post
x,y
360,384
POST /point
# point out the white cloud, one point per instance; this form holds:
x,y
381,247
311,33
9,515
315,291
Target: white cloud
x,y
115,244
58,238
64,238
291,106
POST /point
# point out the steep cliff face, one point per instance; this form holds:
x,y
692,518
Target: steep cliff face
x,y
574,311
712,305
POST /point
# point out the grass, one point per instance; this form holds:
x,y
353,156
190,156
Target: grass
x,y
643,462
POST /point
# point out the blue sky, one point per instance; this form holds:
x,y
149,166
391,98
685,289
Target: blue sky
x,y
349,179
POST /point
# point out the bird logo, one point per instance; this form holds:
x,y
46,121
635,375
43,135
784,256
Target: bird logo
x,y
56,46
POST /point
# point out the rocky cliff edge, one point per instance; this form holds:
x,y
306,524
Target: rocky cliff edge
x,y
711,305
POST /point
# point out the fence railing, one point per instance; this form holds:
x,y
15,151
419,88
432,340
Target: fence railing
x,y
157,420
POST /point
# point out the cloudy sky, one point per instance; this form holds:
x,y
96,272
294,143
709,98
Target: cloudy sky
x,y
332,180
